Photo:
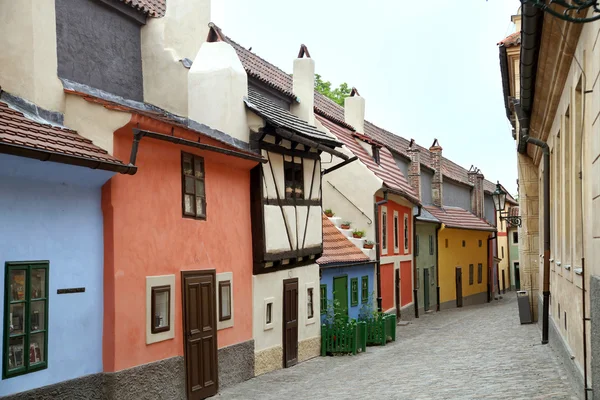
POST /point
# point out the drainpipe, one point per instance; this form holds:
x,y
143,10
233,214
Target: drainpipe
x,y
546,286
437,265
491,267
415,277
377,249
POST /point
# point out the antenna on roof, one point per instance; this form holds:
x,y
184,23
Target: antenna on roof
x,y
354,92
214,34
435,143
303,51
410,145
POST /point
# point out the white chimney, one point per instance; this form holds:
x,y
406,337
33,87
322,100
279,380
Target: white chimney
x,y
165,42
516,19
217,85
304,86
354,111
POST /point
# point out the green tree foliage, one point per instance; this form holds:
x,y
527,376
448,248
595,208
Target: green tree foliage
x,y
338,94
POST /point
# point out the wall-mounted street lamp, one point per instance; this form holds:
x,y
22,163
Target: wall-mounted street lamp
x,y
499,197
573,11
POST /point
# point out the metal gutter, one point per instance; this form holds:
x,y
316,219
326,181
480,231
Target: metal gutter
x,y
505,79
414,260
340,165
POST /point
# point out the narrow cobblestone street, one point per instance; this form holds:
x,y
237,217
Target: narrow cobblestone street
x,y
478,352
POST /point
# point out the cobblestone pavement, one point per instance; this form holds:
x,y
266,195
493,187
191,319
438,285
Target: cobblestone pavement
x,y
477,352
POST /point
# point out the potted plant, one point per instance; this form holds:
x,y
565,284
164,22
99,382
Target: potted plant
x,y
346,224
329,213
368,244
358,234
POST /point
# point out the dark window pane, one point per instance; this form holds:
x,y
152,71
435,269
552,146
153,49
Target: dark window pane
x,y
38,315
16,319
17,285
188,204
187,164
199,187
189,185
198,167
199,206
36,348
16,357
38,283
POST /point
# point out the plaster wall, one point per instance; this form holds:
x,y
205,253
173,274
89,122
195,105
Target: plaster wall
x,y
426,260
152,198
99,46
345,200
455,255
93,121
402,164
426,181
217,86
28,56
457,195
164,43
53,211
359,271
276,237
269,288
274,179
489,212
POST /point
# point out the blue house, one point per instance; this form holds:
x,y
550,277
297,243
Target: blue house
x,y
347,276
51,251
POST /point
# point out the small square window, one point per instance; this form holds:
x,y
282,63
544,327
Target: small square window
x,y
294,180
471,273
515,236
480,243
224,300
464,243
446,243
479,273
354,291
161,308
269,314
309,303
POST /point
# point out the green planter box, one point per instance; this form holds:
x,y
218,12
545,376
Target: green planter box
x,y
346,339
380,329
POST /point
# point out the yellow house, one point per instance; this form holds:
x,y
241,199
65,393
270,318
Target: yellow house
x,y
463,267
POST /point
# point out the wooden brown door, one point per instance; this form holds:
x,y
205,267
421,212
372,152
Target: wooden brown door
x,y
459,297
290,322
397,289
200,333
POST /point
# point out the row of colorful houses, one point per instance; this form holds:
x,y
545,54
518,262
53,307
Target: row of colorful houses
x,y
163,198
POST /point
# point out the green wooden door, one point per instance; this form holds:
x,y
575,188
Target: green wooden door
x,y
426,288
340,294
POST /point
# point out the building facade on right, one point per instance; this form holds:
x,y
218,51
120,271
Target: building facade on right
x,y
550,70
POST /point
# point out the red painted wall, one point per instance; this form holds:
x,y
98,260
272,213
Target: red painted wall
x,y
146,235
391,207
406,287
387,286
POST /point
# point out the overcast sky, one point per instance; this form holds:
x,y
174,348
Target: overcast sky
x,y
427,69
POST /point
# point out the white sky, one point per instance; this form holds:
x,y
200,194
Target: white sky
x,y
427,69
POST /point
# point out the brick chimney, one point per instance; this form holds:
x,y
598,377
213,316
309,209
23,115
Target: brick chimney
x,y
354,111
437,182
477,194
304,86
217,85
166,42
414,168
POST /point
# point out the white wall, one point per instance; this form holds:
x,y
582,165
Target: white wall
x,y
270,285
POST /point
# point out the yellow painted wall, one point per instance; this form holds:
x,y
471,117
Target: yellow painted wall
x,y
455,255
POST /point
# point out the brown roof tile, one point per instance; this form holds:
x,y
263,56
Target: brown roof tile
x,y
19,131
337,248
386,170
514,39
455,217
152,8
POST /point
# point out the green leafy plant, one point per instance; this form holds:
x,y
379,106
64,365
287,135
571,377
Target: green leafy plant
x,y
346,224
329,212
338,94
368,244
358,233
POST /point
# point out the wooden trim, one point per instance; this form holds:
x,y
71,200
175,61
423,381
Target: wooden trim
x,y
155,291
293,253
353,301
288,152
364,299
291,202
257,213
27,267
312,183
259,268
221,285
287,228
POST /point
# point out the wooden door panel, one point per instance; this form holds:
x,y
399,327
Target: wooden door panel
x,y
459,298
290,322
200,328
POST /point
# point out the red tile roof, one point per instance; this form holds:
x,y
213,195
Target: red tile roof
x,y
337,248
387,170
455,217
514,39
17,130
152,8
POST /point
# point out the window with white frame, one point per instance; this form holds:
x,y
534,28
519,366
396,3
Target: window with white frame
x,y
396,232
269,313
310,303
225,300
383,230
160,308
